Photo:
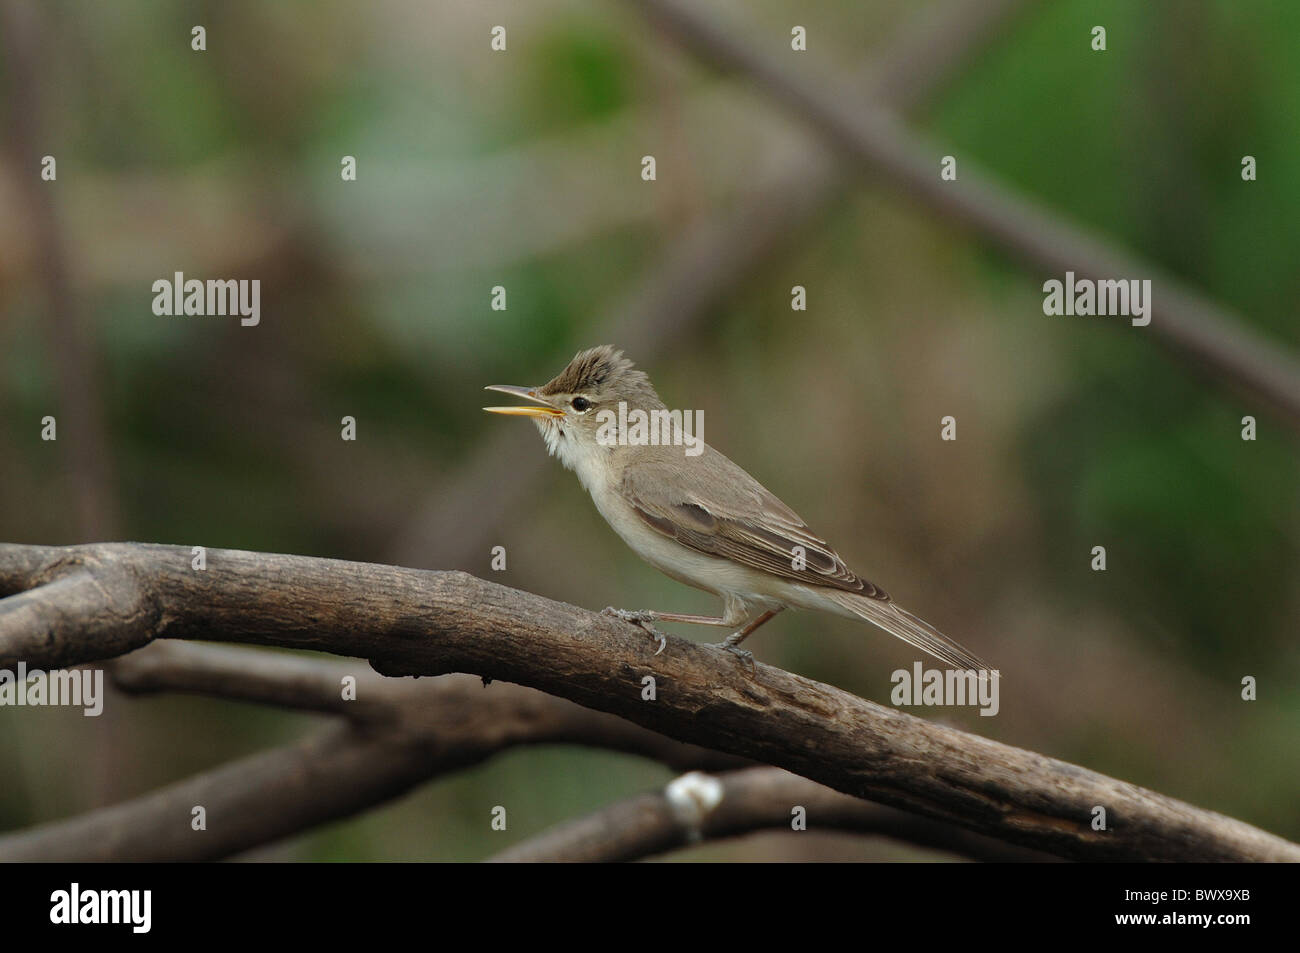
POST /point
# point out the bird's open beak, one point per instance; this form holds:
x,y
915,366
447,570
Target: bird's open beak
x,y
527,393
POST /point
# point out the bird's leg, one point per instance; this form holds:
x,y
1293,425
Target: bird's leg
x,y
732,642
645,617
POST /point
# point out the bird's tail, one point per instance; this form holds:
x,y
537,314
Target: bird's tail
x,y
897,621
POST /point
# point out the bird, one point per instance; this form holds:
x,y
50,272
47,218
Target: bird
x,y
696,516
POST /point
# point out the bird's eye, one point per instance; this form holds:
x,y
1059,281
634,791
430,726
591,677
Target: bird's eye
x,y
580,404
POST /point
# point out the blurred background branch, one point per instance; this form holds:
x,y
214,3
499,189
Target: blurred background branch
x,y
1221,346
749,801
80,416
401,733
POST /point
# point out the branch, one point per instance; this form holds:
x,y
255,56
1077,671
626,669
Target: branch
x,y
750,800
1187,322
248,803
403,733
353,770
409,622
502,714
60,619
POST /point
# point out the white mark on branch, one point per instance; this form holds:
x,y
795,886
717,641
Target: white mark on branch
x,y
692,798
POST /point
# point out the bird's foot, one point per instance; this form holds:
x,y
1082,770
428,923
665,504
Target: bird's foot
x,y
734,648
642,618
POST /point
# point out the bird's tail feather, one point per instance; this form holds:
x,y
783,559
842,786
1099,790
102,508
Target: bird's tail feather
x,y
897,621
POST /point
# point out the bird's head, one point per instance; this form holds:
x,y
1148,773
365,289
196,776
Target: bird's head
x,y
568,408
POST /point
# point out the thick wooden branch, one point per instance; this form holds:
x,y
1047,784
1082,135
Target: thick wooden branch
x,y
82,608
408,622
749,801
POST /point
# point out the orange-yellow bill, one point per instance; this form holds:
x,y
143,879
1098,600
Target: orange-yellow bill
x,y
528,393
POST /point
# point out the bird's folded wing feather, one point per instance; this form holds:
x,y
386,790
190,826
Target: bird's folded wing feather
x,y
721,510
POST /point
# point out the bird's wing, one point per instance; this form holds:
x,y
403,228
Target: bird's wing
x,y
713,506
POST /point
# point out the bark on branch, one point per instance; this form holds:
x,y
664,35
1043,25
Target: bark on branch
x,y
409,622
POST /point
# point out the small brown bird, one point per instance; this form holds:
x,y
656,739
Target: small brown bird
x,y
693,514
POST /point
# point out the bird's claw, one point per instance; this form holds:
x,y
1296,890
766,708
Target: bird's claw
x,y
642,618
744,655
